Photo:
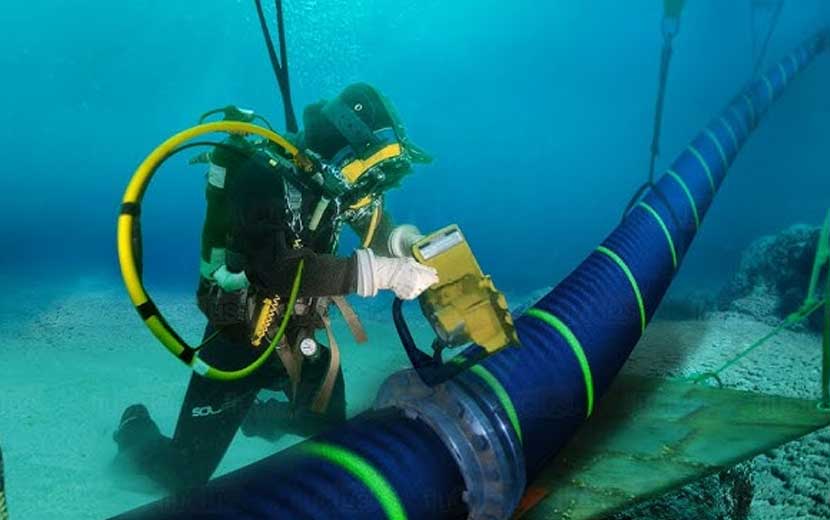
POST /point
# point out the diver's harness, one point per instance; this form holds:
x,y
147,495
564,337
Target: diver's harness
x,y
260,311
307,173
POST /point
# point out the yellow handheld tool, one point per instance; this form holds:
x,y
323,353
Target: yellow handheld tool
x,y
465,306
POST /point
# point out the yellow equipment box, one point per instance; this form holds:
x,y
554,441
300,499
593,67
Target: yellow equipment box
x,y
465,305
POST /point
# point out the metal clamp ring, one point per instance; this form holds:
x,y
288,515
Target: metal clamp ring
x,y
474,427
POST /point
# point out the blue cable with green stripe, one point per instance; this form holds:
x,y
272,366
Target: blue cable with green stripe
x,y
576,339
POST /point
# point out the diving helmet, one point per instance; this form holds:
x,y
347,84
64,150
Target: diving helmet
x,y
360,135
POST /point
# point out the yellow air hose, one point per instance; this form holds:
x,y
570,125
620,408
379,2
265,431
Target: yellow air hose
x,y
373,227
129,260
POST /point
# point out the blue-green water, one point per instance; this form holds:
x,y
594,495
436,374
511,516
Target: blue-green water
x,y
539,117
538,114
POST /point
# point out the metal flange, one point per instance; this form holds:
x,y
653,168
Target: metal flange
x,y
472,424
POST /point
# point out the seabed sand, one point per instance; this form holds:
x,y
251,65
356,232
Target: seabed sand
x,y
74,356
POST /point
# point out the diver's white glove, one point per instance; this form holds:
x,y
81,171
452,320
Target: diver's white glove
x,y
228,281
401,240
406,277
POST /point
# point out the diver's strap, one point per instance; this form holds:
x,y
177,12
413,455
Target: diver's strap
x,y
350,126
321,402
352,319
292,361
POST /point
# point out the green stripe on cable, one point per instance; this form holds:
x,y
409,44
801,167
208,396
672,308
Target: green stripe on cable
x,y
783,72
751,109
738,118
665,229
722,154
633,281
576,347
795,63
362,470
498,389
688,193
731,130
502,395
769,86
705,166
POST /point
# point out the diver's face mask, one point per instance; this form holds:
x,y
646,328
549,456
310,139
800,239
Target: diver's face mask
x,y
374,160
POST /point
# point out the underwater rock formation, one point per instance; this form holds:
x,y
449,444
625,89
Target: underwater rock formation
x,y
725,495
691,306
772,279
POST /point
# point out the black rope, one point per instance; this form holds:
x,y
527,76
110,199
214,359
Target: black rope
x,y
670,30
637,196
665,62
430,369
759,61
281,37
280,65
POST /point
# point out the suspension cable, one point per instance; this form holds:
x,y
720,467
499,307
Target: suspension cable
x,y
776,15
280,65
670,28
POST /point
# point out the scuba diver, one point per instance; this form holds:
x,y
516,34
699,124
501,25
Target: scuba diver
x,y
264,224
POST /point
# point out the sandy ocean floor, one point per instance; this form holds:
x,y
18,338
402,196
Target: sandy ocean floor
x,y
71,362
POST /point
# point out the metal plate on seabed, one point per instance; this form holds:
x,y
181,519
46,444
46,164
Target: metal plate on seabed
x,y
650,436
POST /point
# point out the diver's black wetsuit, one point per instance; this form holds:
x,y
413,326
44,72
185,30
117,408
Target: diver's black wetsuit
x,y
212,412
248,215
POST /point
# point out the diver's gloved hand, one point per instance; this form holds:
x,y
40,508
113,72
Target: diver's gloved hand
x,y
229,281
406,277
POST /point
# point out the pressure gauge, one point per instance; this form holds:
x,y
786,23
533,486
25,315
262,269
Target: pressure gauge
x,y
309,347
